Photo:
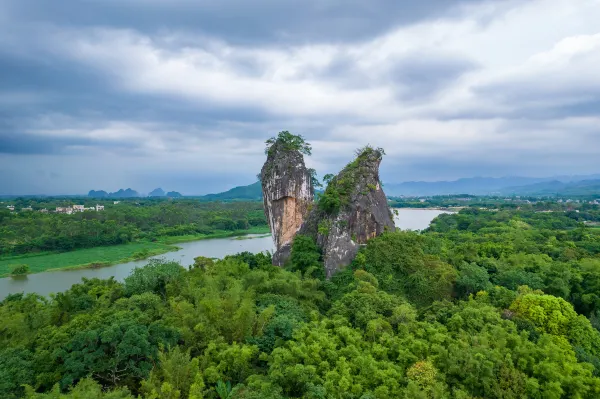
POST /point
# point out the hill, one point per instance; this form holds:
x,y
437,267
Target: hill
x,y
253,192
157,192
128,193
174,194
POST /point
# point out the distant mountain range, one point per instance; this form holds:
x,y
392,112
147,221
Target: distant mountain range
x,y
555,187
515,185
564,185
130,193
481,185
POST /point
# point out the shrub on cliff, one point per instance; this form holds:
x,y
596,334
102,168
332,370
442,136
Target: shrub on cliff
x,y
289,142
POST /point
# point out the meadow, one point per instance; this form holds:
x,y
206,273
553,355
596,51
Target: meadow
x,y
88,257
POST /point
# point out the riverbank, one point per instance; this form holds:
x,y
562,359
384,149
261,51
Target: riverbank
x,y
110,255
223,234
449,209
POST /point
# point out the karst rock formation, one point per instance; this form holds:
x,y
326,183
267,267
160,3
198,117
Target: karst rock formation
x,y
352,209
288,194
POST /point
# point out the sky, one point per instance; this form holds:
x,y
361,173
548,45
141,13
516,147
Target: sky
x,y
182,94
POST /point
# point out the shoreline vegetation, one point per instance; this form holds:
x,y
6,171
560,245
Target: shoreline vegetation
x,y
105,256
448,209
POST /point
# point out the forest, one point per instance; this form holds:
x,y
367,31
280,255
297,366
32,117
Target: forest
x,y
483,304
28,232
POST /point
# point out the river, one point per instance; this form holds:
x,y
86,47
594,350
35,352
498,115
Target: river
x,y
60,280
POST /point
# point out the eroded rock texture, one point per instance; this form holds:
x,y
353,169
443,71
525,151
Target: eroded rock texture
x,y
353,210
287,194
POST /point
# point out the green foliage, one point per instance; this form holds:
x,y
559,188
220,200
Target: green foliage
x,y
432,315
223,389
203,262
153,277
400,265
313,178
340,188
177,376
472,279
144,253
306,257
255,261
324,226
19,270
16,370
131,221
91,257
288,142
85,389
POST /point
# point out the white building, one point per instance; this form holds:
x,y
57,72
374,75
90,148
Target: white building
x,y
116,202
78,208
10,207
99,207
68,210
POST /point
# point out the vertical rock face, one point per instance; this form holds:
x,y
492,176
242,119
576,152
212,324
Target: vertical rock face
x,y
352,210
287,194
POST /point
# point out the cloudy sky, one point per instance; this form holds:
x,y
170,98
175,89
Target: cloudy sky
x,y
182,94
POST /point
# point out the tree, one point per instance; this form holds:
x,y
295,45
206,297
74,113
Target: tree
x,y
306,257
16,370
87,388
288,142
120,353
176,376
19,270
153,277
471,279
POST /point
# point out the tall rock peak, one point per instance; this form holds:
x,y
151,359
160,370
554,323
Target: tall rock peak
x,y
352,210
287,190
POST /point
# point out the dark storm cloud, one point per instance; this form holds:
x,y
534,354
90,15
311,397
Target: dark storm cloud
x,y
13,142
239,21
60,86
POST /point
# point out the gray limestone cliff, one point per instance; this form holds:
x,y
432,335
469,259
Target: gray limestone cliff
x,y
287,194
352,210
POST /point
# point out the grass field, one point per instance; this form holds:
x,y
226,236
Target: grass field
x,y
102,256
223,234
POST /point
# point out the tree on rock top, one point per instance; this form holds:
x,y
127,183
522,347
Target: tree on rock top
x,y
288,142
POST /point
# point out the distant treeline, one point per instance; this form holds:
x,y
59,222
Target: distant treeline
x,y
27,232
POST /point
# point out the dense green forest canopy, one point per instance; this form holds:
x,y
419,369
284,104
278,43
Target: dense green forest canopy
x,y
484,304
130,220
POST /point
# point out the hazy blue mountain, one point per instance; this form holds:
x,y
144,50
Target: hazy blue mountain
x,y
251,192
97,194
556,187
174,194
128,193
474,185
157,192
